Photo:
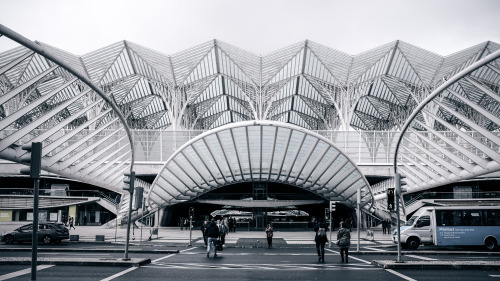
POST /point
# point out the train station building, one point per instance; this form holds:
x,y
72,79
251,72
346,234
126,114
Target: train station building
x,y
276,137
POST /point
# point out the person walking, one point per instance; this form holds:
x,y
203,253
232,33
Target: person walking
x,y
384,227
71,223
388,225
204,231
344,242
269,235
212,234
223,231
321,228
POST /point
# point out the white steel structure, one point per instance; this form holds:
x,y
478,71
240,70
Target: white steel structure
x,y
81,107
454,133
259,151
46,97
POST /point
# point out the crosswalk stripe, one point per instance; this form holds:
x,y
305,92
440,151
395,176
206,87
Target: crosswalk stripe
x,y
23,272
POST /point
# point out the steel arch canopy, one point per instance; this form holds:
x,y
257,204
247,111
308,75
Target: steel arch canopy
x,y
46,96
453,134
261,151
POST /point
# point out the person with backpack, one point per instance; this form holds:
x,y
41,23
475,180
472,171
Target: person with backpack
x,y
269,235
213,234
344,241
321,228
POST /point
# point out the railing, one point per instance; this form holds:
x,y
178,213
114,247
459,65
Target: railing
x,y
413,200
158,145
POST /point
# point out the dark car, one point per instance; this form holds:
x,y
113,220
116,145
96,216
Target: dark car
x,y
47,233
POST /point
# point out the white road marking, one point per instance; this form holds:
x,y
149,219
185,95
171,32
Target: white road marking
x,y
494,276
421,258
120,274
388,270
166,257
401,275
375,249
134,268
73,254
23,272
203,266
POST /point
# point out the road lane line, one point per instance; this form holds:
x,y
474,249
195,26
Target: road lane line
x,y
134,268
389,270
23,272
166,257
120,274
401,275
375,249
421,258
351,257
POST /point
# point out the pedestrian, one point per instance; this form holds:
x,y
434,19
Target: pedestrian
x,y
384,227
186,223
344,242
269,235
70,222
84,220
388,225
204,231
230,223
212,234
222,232
349,223
320,238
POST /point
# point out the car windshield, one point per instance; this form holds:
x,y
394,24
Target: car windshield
x,y
411,221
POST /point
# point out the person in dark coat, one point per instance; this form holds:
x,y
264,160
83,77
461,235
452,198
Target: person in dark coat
x,y
269,235
321,228
204,231
344,241
212,234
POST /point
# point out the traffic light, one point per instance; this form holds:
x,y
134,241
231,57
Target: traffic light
x,y
191,212
138,197
390,199
129,183
400,183
333,204
33,158
327,213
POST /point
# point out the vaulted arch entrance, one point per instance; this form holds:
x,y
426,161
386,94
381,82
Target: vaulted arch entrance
x,y
263,153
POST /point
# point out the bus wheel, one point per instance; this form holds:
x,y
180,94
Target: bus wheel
x,y
412,243
490,243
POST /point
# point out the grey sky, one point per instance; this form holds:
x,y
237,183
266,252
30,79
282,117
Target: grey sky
x,y
259,26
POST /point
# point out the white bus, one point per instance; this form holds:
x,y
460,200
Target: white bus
x,y
452,226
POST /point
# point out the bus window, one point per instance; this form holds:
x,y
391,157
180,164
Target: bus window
x,y
444,218
492,218
423,221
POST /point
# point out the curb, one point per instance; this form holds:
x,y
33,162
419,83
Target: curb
x,y
483,265
89,250
137,262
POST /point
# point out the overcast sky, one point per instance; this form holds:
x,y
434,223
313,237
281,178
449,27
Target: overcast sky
x,y
259,26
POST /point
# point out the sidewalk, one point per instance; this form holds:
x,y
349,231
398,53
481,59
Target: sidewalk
x,y
172,239
173,236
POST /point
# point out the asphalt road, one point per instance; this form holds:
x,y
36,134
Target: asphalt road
x,y
241,264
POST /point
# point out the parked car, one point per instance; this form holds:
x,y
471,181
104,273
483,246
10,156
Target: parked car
x,y
47,233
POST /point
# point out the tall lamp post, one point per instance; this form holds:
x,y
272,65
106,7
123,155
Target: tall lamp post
x,y
130,188
358,212
34,158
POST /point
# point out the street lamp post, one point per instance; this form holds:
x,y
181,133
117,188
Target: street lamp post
x,y
358,211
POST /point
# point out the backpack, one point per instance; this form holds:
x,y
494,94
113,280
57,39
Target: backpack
x,y
321,232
